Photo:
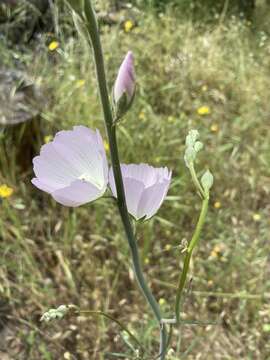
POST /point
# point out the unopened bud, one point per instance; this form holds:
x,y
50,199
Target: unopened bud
x,y
207,181
124,87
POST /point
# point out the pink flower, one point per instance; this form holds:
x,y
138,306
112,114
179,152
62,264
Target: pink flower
x,y
145,188
73,167
125,84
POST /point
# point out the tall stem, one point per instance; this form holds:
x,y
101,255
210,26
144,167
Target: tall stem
x,y
191,246
92,28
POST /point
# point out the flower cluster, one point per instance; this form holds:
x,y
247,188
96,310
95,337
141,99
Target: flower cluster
x,y
73,168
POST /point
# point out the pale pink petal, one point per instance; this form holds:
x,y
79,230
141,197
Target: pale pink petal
x,y
133,191
83,154
43,185
73,157
141,172
52,167
151,199
78,193
125,81
145,188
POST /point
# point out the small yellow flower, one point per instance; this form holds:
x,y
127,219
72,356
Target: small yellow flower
x,y
218,248
213,254
204,88
80,83
106,145
142,115
67,355
5,191
216,252
128,25
256,217
210,282
203,110
162,301
53,45
214,128
168,247
146,261
47,138
217,205
171,119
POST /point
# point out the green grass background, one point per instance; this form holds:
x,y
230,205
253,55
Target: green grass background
x,y
51,255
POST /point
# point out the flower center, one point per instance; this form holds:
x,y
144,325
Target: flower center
x,y
90,179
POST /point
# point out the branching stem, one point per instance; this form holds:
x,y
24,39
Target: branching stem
x,y
92,28
192,244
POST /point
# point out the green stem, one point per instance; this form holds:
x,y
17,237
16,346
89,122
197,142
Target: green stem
x,y
121,201
195,180
190,248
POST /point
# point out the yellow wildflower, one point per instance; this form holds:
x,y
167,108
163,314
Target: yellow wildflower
x,y
217,205
47,138
168,247
106,145
162,301
216,252
53,45
128,25
256,217
80,83
142,115
214,128
146,261
5,191
171,119
204,88
203,110
67,355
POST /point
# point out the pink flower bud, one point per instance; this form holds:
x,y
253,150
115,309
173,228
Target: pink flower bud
x,y
124,87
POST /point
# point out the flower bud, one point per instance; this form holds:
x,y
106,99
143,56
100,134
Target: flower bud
x,y
207,181
124,87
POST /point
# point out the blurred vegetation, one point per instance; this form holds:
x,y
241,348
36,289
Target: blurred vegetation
x,y
207,8
212,77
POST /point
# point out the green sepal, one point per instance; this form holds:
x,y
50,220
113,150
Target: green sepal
x,y
121,107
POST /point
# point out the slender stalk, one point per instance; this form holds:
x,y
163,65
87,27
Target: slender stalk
x,y
191,246
242,295
123,327
195,180
92,28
